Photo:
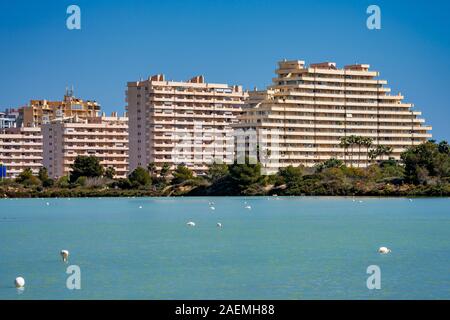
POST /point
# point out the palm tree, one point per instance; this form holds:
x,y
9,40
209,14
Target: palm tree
x,y
165,170
380,151
351,141
367,143
344,144
372,154
359,142
151,168
385,151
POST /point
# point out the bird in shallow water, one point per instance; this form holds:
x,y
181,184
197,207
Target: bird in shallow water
x,y
384,250
64,255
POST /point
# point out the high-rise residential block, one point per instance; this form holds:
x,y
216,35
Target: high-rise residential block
x,y
103,137
40,112
8,118
301,118
20,148
181,122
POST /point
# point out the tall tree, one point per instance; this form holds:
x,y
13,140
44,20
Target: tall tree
x,y
45,179
110,172
359,142
165,170
344,143
291,175
43,174
425,162
351,141
182,174
86,166
245,174
385,151
217,171
444,147
151,167
24,175
367,143
140,177
372,154
380,151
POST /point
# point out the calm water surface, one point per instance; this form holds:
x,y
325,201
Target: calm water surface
x,y
283,248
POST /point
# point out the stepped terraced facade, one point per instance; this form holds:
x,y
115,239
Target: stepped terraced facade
x,y
182,122
301,118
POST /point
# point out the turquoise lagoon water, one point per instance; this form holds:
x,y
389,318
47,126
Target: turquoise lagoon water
x,y
283,248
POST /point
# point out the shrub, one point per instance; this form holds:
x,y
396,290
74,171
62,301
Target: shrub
x,y
110,173
140,177
217,171
63,182
182,174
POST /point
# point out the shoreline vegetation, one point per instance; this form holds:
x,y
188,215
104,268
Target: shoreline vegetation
x,y
424,170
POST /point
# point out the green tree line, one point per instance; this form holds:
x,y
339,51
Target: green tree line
x,y
422,170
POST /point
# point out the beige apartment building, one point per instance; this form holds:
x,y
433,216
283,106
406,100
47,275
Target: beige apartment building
x,y
181,122
103,137
40,112
21,148
301,118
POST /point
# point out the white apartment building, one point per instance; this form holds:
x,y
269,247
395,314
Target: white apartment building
x,y
8,119
301,118
103,137
21,148
181,122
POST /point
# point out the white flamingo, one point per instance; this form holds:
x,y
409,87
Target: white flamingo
x,y
64,255
384,250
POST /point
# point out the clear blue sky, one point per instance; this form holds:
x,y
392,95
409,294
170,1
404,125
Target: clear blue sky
x,y
237,42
